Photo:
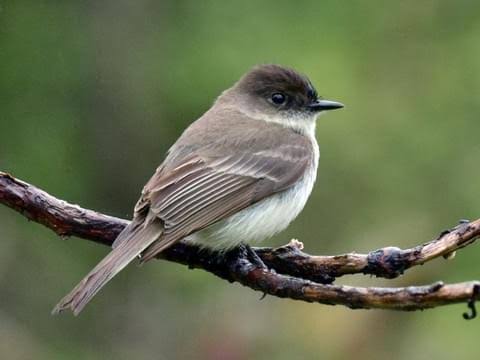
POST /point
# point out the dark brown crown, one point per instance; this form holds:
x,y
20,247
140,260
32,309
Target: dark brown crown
x,y
264,80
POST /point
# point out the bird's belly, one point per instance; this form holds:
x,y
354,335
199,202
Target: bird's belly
x,y
259,221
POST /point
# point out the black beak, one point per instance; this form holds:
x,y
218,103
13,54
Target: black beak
x,y
324,105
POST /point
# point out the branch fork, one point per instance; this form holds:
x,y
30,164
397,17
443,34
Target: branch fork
x,y
292,273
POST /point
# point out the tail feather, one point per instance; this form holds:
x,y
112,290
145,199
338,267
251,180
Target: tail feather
x,y
134,239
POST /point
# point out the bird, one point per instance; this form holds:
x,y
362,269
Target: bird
x,y
237,175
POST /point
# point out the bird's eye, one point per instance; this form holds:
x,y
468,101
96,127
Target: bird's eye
x,y
278,98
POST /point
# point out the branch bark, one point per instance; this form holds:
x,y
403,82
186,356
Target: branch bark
x,y
292,273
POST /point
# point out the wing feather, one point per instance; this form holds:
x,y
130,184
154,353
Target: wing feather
x,y
202,183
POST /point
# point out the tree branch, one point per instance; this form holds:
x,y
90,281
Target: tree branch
x,y
295,274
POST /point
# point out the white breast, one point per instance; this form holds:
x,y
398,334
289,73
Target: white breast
x,y
264,219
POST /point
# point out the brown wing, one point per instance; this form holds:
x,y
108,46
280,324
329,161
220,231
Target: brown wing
x,y
204,189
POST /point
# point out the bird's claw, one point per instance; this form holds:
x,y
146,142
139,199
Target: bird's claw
x,y
252,256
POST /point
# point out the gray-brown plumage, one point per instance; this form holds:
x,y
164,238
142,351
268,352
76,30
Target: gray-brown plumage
x,y
229,161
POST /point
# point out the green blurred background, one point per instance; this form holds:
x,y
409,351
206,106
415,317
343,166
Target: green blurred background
x,y
92,94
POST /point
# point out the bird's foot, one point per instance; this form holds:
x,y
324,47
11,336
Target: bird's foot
x,y
246,252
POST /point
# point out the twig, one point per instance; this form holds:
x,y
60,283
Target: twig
x,y
388,262
297,275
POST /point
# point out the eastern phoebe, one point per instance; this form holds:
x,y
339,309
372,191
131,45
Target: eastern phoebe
x,y
239,174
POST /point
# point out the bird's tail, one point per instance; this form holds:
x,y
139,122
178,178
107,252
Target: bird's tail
x,y
134,239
